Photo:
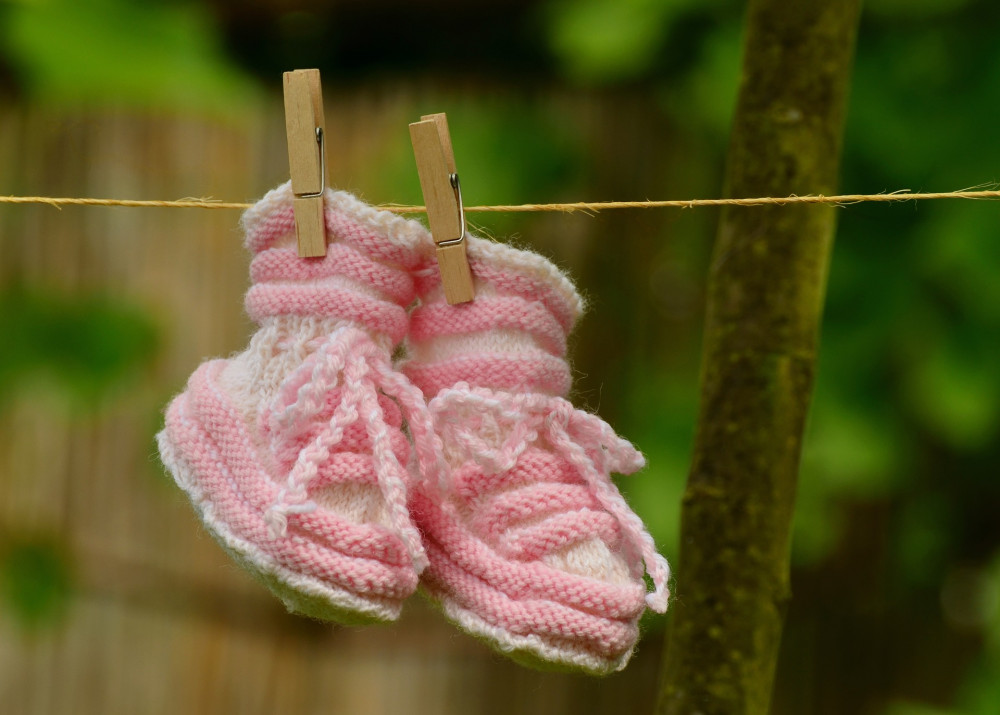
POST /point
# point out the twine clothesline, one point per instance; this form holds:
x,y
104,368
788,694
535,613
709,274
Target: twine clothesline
x,y
585,206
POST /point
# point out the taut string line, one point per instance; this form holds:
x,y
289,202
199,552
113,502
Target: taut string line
x,y
584,206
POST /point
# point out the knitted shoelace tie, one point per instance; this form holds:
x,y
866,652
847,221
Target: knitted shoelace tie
x,y
515,421
366,370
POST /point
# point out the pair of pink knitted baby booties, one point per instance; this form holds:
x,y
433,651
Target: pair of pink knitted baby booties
x,y
495,497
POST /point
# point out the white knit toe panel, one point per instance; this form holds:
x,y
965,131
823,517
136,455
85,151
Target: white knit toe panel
x,y
357,503
591,558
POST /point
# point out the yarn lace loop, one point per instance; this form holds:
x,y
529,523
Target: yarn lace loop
x,y
495,428
366,370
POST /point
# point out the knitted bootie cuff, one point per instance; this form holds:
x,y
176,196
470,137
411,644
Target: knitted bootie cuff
x,y
363,279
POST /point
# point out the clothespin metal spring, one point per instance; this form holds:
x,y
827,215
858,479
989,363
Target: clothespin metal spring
x,y
457,186
321,143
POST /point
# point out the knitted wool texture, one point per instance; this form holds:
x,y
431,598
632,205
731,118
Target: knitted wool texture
x,y
531,546
291,451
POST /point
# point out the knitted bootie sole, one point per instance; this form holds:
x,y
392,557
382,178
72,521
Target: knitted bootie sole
x,y
316,570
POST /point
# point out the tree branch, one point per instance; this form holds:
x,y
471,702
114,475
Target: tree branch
x,y
765,296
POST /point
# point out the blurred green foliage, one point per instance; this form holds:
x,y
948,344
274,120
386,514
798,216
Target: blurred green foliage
x,y
35,581
87,346
153,53
610,40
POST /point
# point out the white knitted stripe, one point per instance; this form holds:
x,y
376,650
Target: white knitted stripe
x,y
493,342
288,585
335,282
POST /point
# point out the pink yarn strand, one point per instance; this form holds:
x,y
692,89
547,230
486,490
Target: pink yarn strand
x,y
390,474
427,443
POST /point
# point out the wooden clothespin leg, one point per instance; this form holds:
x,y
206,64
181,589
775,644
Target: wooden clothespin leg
x,y
305,126
443,198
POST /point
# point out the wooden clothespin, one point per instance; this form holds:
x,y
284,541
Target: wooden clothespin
x,y
304,126
443,197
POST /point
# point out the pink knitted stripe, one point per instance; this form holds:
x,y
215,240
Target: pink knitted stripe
x,y
489,313
506,281
517,373
271,299
368,241
607,637
210,436
389,551
284,264
535,465
345,468
498,512
355,440
559,531
522,580
280,224
286,451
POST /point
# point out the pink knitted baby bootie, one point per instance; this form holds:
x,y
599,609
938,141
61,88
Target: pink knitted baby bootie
x,y
292,451
531,546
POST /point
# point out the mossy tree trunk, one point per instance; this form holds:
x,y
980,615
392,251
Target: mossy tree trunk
x,y
765,297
